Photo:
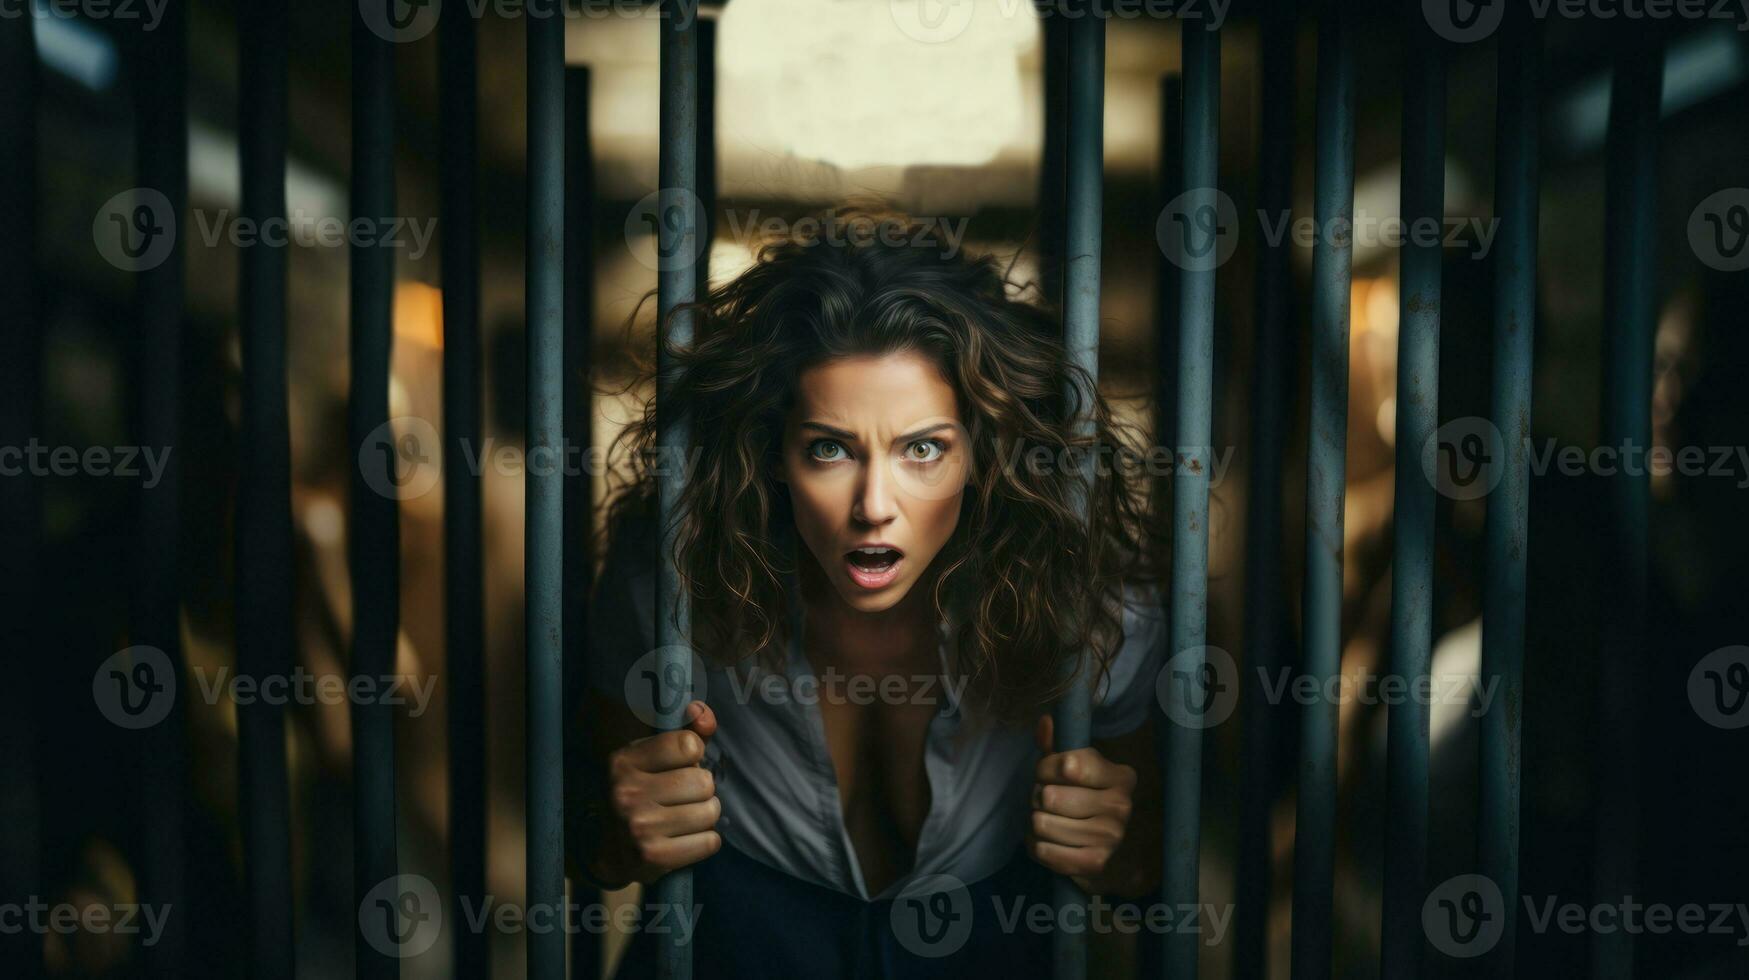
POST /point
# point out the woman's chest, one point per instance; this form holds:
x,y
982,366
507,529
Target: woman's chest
x,y
878,754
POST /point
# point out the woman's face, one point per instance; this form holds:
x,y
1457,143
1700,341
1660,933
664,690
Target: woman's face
x,y
876,461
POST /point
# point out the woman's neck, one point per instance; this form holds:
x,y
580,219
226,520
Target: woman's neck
x,y
902,637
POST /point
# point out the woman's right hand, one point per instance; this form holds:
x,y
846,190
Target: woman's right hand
x,y
663,803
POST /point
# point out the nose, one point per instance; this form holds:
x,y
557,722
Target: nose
x,y
875,505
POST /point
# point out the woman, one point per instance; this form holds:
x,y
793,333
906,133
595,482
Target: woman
x,y
891,582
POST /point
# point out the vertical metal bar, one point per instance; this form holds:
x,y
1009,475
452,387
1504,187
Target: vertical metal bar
x,y
707,149
374,538
1407,745
1508,510
1190,494
1265,599
160,93
1631,304
1166,284
20,496
1083,199
464,635
1054,80
263,523
579,414
1315,818
676,285
544,531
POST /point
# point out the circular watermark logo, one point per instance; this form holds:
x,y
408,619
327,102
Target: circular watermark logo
x,y
1465,916
1198,230
932,916
399,21
655,229
1199,687
932,21
135,688
1718,230
655,689
135,230
402,916
1465,21
400,458
1464,458
1718,688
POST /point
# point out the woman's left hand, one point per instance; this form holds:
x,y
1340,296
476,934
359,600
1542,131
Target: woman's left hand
x,y
1081,806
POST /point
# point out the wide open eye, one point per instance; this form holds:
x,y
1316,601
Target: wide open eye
x,y
925,451
827,451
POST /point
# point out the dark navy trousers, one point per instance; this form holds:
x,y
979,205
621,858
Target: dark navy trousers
x,y
754,921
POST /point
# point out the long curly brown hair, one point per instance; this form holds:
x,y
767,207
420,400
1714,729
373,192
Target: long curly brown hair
x,y
1033,583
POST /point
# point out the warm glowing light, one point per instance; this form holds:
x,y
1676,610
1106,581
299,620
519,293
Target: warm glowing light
x,y
419,314
868,83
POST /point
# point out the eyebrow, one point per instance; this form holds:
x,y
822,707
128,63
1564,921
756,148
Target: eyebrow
x,y
838,433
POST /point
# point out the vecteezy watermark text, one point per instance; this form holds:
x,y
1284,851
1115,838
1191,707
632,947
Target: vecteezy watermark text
x,y
933,917
135,688
65,918
402,916
1465,917
1468,21
136,230
35,459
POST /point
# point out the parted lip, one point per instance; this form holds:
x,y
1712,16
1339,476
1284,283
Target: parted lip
x,y
877,544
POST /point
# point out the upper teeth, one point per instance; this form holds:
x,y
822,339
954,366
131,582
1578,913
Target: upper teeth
x,y
875,551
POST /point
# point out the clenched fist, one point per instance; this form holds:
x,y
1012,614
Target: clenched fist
x,y
1081,806
663,805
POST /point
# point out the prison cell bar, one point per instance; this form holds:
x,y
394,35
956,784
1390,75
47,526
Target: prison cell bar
x,y
263,523
1053,82
1508,508
707,150
374,537
579,411
1182,766
464,626
545,525
1169,184
1315,819
1083,197
1407,736
1630,302
20,497
1265,601
676,286
159,73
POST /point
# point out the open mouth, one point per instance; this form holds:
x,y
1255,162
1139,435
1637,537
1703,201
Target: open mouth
x,y
875,567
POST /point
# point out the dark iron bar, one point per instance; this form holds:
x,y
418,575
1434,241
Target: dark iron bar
x,y
20,495
1182,766
1505,539
464,626
707,150
1333,205
1407,744
161,764
545,527
1265,599
676,286
1053,79
1631,311
263,532
579,413
1083,198
374,539
1169,184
